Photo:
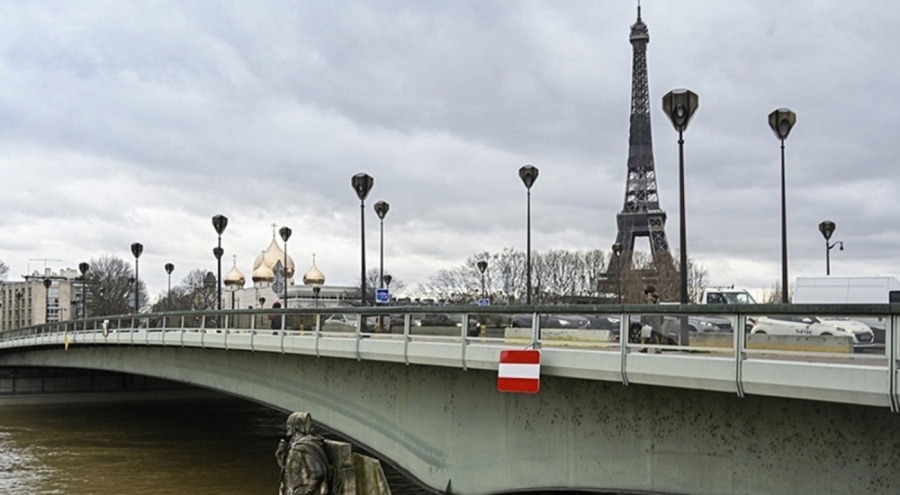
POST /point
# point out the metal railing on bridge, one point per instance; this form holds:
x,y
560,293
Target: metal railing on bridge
x,y
836,353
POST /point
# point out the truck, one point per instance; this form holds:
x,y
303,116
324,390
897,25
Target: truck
x,y
845,290
850,290
725,295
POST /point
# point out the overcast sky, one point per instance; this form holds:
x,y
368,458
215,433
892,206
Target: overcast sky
x,y
139,121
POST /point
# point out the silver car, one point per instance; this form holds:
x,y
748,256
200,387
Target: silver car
x,y
861,334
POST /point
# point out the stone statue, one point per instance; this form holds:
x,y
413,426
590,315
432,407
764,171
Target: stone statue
x,y
302,458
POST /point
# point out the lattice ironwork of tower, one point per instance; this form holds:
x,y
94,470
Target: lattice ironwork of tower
x,y
641,214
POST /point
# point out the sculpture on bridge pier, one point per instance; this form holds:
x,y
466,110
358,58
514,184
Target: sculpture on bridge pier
x,y
312,465
302,458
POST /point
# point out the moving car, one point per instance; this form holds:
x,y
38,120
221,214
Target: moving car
x,y
444,320
551,321
861,334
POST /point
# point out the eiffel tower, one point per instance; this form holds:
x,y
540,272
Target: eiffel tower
x,y
641,214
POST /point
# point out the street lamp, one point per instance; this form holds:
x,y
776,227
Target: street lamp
x,y
83,267
285,233
381,209
136,249
827,228
219,223
528,174
782,121
482,266
19,295
169,269
362,184
617,250
680,105
47,283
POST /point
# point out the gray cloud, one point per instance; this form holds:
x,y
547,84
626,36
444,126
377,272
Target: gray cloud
x,y
139,121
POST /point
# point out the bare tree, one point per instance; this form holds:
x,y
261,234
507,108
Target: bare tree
x,y
4,270
111,286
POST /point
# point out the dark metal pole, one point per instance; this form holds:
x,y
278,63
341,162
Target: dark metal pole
x,y
827,258
219,274
381,256
683,226
784,258
362,230
136,278
528,253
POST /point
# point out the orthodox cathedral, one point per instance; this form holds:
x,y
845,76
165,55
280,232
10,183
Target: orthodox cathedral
x,y
273,268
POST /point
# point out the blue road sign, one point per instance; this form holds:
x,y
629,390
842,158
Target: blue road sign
x,y
484,302
382,296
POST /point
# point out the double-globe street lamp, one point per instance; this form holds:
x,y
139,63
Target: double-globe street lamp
x,y
169,269
219,223
19,295
827,229
782,121
362,183
83,267
136,249
381,209
617,251
680,106
528,174
482,267
285,233
47,283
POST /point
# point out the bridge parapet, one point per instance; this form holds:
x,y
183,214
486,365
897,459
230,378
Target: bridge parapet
x,y
734,361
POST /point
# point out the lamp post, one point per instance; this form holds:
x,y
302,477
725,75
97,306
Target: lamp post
x,y
47,283
617,250
362,184
316,290
827,228
83,267
136,249
285,233
680,105
528,174
219,223
482,266
381,209
782,121
19,295
169,269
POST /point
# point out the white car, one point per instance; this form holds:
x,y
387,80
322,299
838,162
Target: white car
x,y
861,334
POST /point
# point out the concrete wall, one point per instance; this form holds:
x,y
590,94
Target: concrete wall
x,y
450,425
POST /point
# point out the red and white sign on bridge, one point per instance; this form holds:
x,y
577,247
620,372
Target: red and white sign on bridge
x,y
519,371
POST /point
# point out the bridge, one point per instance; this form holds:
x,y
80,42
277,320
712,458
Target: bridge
x,y
707,416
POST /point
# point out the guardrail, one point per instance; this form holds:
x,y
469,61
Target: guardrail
x,y
827,368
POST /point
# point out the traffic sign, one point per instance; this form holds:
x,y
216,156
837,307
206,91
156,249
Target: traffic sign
x,y
484,302
519,371
382,296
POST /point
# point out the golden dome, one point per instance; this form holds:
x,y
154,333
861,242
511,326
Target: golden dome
x,y
273,254
262,273
313,276
234,276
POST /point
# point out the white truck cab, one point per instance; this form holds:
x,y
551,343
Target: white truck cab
x,y
726,295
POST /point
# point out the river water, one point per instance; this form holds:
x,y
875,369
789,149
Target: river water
x,y
175,447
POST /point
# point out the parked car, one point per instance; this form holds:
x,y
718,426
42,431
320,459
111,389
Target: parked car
x,y
347,323
551,321
445,320
861,334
